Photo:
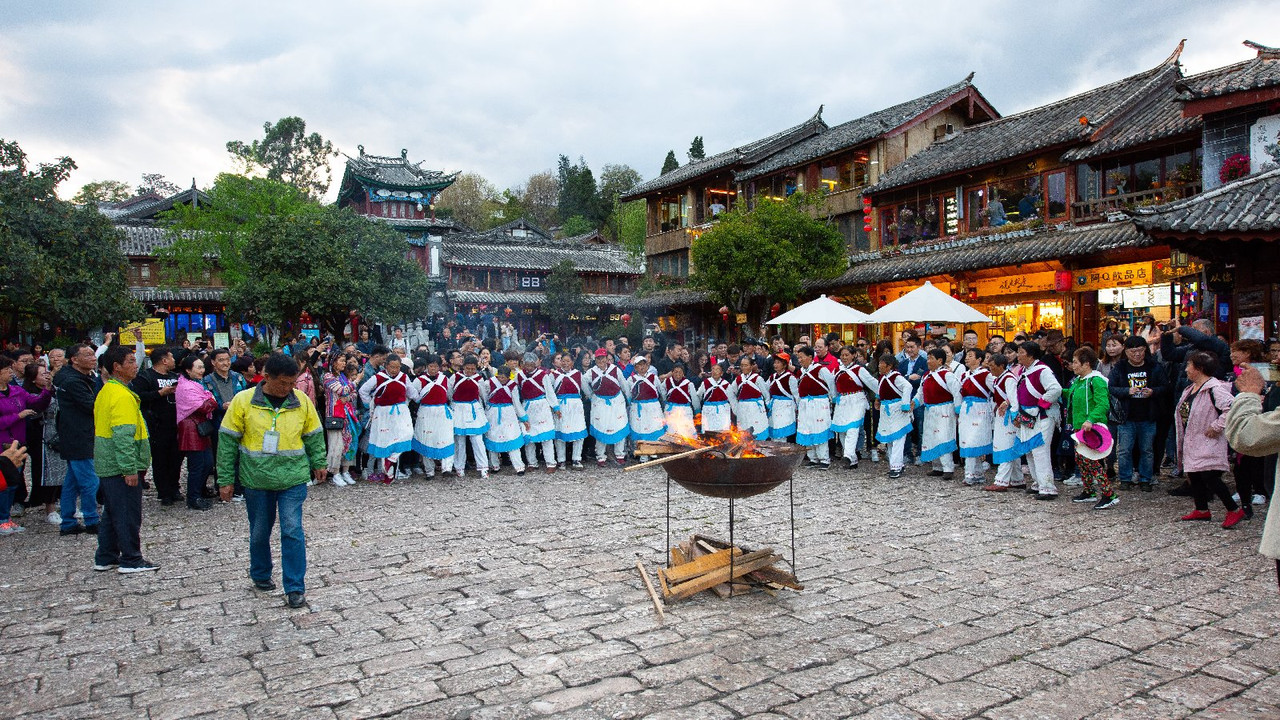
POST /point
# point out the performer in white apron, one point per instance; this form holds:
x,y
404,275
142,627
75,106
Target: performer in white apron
x,y
537,395
390,425
607,389
894,392
1005,450
851,381
647,419
682,401
1038,392
717,399
507,420
814,390
467,393
751,390
782,399
433,429
571,418
975,412
937,395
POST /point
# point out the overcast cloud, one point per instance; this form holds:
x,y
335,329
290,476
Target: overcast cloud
x,y
503,88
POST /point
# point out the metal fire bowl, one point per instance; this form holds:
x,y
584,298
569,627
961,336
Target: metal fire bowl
x,y
714,475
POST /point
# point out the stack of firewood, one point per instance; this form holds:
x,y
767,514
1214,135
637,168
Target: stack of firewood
x,y
703,563
734,445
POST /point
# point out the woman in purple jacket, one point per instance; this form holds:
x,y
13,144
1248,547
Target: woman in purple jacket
x,y
16,405
1200,419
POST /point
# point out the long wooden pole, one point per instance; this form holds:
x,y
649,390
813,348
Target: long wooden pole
x,y
653,595
677,456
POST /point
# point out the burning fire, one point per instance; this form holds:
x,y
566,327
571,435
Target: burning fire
x,y
737,442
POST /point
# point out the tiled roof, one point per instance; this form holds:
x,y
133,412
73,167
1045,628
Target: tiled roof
x,y
497,250
1261,72
1041,128
672,298
155,294
444,224
532,298
143,240
749,153
520,224
850,134
989,251
1159,119
397,172
1247,205
144,208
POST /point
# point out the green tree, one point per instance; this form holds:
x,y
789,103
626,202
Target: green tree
x,y
62,263
156,183
576,225
578,192
615,180
766,253
628,226
696,151
472,200
565,296
326,263
289,155
671,163
92,193
540,197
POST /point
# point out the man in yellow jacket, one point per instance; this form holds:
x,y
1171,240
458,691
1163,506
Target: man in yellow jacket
x,y
273,435
120,451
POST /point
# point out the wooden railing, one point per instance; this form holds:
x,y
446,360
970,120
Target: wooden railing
x,y
1098,207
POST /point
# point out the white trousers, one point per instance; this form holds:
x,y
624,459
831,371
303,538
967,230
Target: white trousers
x,y
560,451
602,451
477,449
495,460
548,453
895,452
972,468
1042,470
1007,473
849,444
946,463
819,453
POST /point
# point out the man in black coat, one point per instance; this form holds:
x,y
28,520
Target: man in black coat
x,y
156,388
76,387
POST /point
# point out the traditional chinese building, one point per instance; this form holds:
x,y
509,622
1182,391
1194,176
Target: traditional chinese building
x,y
504,271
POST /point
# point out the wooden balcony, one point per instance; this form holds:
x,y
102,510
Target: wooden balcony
x,y
1103,206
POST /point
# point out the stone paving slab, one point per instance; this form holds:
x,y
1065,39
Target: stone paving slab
x,y
517,597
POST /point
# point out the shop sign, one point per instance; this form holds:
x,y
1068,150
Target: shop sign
x,y
1114,276
1013,284
150,330
740,318
1167,272
1147,297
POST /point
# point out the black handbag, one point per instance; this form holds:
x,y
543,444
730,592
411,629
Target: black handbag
x,y
334,423
206,428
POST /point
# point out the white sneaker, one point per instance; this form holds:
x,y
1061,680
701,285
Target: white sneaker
x,y
1259,500
79,516
1073,481
402,475
875,456
53,518
1236,497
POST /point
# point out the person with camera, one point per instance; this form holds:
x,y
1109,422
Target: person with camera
x,y
1137,386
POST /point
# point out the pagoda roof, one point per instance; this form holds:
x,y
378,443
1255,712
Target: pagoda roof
x,y
1258,73
1244,207
394,173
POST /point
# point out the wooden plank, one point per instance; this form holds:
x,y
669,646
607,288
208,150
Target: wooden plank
x,y
662,580
651,447
657,604
669,458
776,577
748,563
701,566
678,556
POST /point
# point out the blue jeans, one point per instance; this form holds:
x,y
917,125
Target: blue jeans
x,y
1143,433
263,506
912,447
6,503
199,465
80,482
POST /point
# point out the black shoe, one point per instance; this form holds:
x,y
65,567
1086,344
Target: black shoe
x,y
167,502
936,473
1146,487
1248,512
199,504
264,585
73,530
1031,490
824,466
209,493
1047,496
1126,485
1183,490
295,600
91,529
895,474
812,463
850,464
141,568
1085,497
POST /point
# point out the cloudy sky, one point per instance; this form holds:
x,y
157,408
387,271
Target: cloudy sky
x,y
503,88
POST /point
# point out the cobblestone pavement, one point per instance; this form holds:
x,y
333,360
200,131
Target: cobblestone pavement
x,y
519,597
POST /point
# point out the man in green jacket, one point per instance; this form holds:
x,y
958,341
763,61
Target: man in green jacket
x,y
273,434
1088,400
121,450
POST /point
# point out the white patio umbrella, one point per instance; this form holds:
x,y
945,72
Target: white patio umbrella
x,y
822,311
928,304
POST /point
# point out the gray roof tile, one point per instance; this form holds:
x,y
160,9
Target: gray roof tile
x,y
1248,205
532,298
497,248
396,172
1260,72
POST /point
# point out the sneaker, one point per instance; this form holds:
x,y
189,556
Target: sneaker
x,y
17,510
1147,487
264,585
875,456
1106,501
1126,485
1259,500
1233,517
484,474
73,530
101,567
1073,481
551,469
1198,515
237,497
559,466
850,464
995,488
79,515
295,600
824,465
1031,490
199,504
144,567
579,466
936,473
600,464
10,528
520,473
53,518
917,462
1085,497
895,474
1046,496
402,475
812,464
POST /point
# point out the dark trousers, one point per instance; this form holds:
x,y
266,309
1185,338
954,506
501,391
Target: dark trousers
x,y
166,466
119,531
199,465
1249,478
1205,485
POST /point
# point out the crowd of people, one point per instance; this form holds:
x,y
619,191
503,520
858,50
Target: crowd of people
x,y
1032,412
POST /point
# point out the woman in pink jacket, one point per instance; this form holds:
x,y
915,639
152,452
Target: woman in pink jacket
x,y
1200,419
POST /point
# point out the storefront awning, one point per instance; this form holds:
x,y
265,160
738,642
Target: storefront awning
x,y
155,294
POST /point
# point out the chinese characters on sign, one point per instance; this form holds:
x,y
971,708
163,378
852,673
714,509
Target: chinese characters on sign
x,y
1115,276
1013,284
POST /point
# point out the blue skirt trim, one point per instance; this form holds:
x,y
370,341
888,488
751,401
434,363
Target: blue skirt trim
x,y
541,437
386,452
572,437
895,435
609,439
846,427
938,451
432,453
782,433
975,451
1006,456
471,431
507,446
808,439
649,435
1026,446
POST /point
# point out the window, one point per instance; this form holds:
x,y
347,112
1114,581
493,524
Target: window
x,y
673,213
1056,190
918,221
144,272
1021,198
1146,175
976,208
1087,183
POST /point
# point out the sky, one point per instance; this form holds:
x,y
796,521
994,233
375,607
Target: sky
x,y
503,88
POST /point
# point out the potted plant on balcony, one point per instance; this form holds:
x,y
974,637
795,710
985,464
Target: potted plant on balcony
x,y
1234,168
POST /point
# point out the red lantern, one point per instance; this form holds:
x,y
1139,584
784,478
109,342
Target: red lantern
x,y
626,319
724,313
507,312
773,309
1062,281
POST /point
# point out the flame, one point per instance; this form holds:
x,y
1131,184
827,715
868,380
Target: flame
x,y
734,436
